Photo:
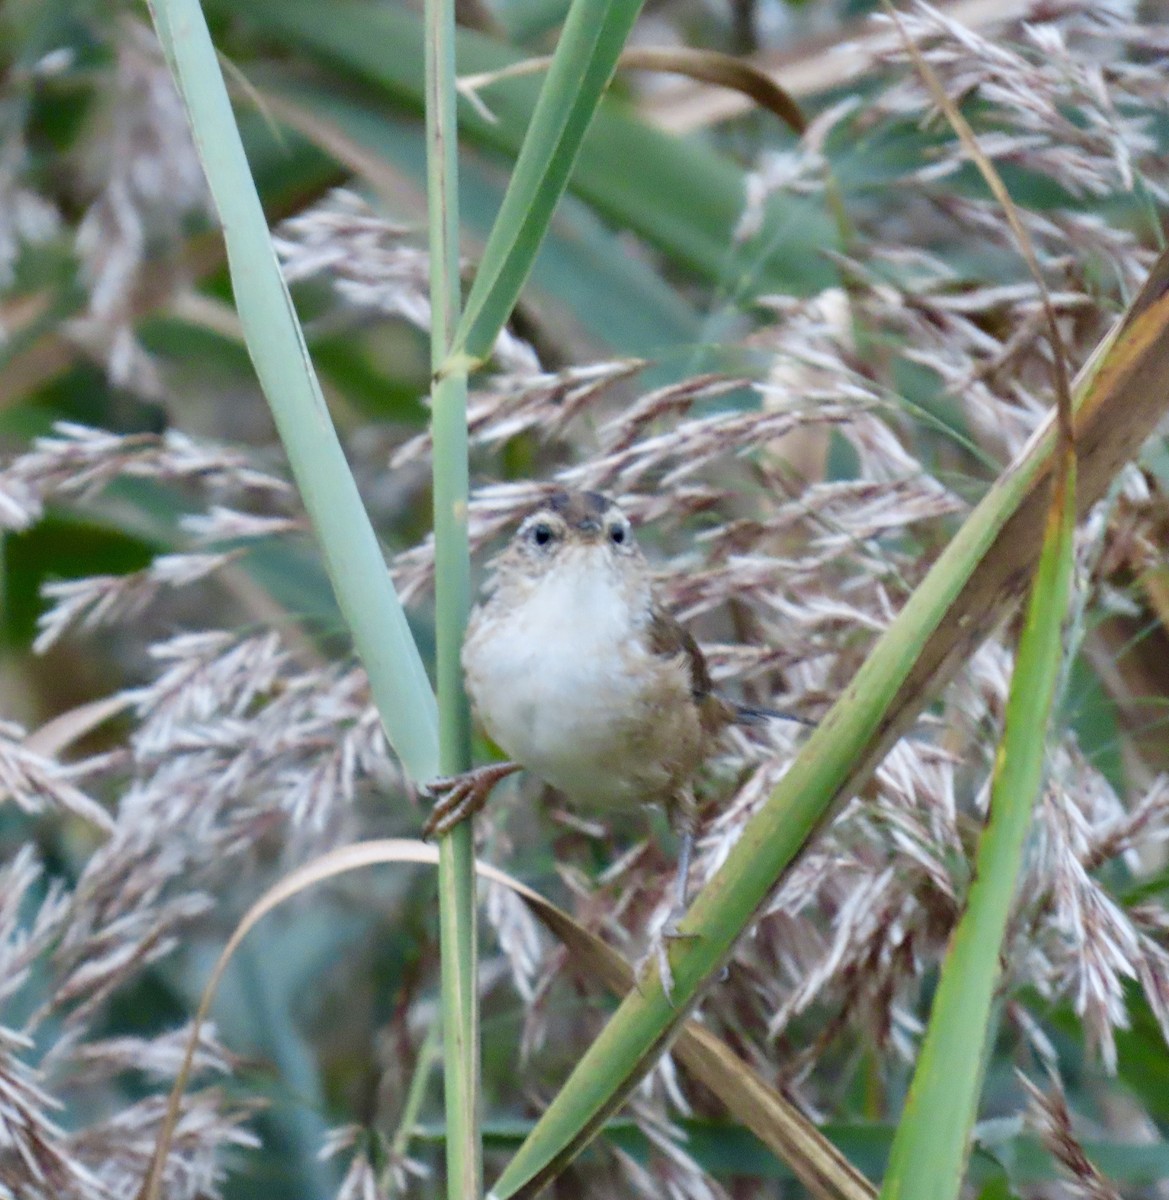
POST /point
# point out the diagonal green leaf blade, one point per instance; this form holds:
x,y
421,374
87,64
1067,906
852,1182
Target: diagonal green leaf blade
x,y
585,59
276,343
933,1137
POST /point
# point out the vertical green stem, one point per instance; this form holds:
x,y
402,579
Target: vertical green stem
x,y
457,912
930,1150
449,391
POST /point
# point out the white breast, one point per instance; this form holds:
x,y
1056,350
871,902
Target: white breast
x,y
555,681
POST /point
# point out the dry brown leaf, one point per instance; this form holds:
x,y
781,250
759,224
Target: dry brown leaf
x,y
723,71
708,67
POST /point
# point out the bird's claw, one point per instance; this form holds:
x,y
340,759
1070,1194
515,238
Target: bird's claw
x,y
457,797
659,951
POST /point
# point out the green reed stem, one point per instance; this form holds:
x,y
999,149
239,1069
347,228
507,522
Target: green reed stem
x,y
457,913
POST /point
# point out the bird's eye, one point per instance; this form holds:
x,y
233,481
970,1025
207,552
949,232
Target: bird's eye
x,y
541,534
617,534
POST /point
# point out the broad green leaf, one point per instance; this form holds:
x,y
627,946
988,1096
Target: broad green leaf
x,y
350,547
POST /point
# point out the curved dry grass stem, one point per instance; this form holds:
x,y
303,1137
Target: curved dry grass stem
x,y
781,1126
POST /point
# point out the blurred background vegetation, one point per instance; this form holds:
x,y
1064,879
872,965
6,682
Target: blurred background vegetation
x,y
692,220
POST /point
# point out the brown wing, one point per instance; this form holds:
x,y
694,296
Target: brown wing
x,y
668,638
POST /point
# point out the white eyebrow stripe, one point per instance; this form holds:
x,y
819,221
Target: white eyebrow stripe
x,y
543,517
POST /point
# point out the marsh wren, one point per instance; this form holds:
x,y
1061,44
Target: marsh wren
x,y
579,674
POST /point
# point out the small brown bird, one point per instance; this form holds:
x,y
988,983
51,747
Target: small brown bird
x,y
576,670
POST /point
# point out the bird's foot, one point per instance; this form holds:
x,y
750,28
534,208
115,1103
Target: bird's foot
x,y
458,797
659,951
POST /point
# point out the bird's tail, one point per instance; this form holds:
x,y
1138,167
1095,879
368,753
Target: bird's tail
x,y
753,714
